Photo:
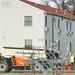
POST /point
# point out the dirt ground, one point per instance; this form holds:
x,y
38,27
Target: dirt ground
x,y
32,74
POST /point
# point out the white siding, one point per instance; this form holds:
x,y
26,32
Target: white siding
x,y
12,29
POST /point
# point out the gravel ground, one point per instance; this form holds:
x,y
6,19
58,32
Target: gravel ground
x,y
70,72
32,74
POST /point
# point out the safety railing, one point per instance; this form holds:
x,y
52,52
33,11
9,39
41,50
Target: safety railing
x,y
51,62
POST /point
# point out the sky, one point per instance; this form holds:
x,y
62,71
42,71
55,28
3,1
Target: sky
x,y
52,4
38,1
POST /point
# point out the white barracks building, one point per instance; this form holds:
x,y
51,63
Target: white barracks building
x,y
27,24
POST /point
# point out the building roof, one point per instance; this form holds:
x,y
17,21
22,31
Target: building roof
x,y
50,9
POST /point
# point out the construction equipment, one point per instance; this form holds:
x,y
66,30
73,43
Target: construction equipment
x,y
42,60
13,62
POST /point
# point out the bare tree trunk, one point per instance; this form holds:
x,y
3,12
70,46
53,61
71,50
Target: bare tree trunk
x,y
73,1
63,5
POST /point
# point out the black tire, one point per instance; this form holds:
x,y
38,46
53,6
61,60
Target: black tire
x,y
3,66
28,67
9,69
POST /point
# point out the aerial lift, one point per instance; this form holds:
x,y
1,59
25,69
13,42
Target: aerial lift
x,y
13,62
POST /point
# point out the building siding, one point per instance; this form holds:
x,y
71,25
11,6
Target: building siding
x,y
63,37
12,29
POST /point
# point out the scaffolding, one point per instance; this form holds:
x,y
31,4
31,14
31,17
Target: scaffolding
x,y
44,61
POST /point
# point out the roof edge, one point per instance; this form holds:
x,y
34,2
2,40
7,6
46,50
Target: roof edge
x,y
49,9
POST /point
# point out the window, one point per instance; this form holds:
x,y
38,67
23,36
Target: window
x,y
28,20
70,47
67,25
59,45
28,44
53,25
45,21
46,43
6,3
70,26
58,23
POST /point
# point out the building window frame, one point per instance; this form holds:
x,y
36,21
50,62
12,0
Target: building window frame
x,y
58,45
27,20
70,26
6,4
45,21
67,25
28,43
58,23
70,46
53,24
46,43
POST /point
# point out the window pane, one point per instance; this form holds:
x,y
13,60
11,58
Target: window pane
x,y
53,24
28,20
28,44
58,23
67,25
70,26
28,23
59,45
70,47
45,21
45,42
